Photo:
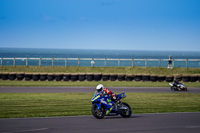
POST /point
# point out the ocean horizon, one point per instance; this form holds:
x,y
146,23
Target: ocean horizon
x,y
90,53
94,53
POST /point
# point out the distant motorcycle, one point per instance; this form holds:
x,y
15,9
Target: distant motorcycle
x,y
176,86
100,106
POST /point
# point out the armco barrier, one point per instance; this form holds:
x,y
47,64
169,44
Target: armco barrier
x,y
105,62
97,77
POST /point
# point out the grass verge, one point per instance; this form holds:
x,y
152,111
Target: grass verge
x,y
90,83
18,105
75,69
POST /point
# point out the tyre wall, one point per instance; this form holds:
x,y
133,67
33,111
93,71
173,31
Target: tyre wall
x,y
97,77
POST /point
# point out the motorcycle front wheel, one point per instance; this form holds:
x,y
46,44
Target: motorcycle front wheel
x,y
126,113
98,113
173,88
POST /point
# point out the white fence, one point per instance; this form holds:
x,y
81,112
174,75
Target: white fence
x,y
104,62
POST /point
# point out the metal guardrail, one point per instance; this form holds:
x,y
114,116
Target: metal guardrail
x,y
92,61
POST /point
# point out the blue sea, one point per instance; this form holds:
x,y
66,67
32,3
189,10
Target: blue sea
x,y
83,53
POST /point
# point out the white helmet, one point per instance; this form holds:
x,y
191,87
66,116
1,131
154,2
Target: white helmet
x,y
99,87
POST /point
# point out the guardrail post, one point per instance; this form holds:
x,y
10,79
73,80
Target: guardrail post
x,y
145,62
52,61
159,63
65,62
118,62
186,63
40,62
132,62
26,61
79,62
14,62
173,62
105,63
1,61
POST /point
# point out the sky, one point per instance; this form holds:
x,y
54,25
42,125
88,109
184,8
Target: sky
x,y
161,25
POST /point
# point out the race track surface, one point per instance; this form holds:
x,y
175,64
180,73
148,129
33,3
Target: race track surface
x,y
138,123
92,89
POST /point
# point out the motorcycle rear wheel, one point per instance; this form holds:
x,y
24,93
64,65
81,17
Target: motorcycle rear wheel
x,y
126,113
99,114
185,89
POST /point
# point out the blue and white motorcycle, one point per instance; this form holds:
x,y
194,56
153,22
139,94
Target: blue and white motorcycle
x,y
102,103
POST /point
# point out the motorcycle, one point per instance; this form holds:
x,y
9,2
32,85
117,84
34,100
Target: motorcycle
x,y
101,104
178,87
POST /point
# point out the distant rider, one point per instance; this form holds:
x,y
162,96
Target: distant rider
x,y
176,82
104,91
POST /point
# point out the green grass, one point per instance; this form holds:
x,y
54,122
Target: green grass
x,y
17,105
125,70
90,83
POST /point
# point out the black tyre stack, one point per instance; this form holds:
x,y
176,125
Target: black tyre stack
x,y
105,77
66,76
28,76
161,78
12,76
90,76
51,76
97,76
138,77
199,77
153,78
121,77
20,76
82,76
43,76
169,78
194,78
58,76
4,75
113,77
74,76
186,78
129,77
35,76
145,77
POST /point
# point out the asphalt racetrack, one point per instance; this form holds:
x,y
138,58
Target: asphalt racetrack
x,y
138,123
92,89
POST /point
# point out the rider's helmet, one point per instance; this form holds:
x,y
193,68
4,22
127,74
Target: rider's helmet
x,y
99,87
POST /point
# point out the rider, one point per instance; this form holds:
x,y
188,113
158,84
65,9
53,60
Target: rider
x,y
176,82
105,91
